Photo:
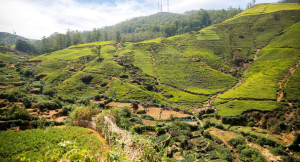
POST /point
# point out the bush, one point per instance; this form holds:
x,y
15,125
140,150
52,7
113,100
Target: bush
x,y
225,153
48,91
239,140
206,134
147,117
251,124
17,113
220,126
141,112
67,109
83,113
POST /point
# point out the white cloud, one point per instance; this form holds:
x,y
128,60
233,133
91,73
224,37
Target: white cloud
x,y
37,18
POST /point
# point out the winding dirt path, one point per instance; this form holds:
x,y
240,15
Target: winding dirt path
x,y
255,55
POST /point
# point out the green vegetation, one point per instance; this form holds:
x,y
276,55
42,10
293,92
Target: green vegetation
x,y
267,8
238,107
52,144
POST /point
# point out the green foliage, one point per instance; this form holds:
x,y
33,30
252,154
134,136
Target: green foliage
x,y
241,106
83,113
251,124
50,145
15,112
159,138
239,140
225,153
96,50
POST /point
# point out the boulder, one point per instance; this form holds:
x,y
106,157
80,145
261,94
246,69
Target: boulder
x,y
97,98
123,76
103,84
168,96
86,78
72,69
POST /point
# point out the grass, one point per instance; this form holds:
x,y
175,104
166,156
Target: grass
x,y
291,91
263,134
241,106
11,58
40,145
261,79
183,98
176,69
289,38
143,60
208,34
266,8
130,91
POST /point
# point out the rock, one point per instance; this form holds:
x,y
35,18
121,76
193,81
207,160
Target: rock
x,y
123,76
103,84
72,69
131,72
79,88
231,106
178,44
177,156
86,78
97,98
132,120
168,96
170,150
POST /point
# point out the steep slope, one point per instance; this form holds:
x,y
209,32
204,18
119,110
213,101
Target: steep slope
x,y
186,70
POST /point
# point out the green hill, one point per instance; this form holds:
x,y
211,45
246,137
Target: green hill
x,y
191,67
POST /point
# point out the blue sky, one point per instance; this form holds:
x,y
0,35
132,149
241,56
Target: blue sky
x,y
37,18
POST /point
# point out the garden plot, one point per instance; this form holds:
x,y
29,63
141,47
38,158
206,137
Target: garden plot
x,y
159,113
121,104
48,114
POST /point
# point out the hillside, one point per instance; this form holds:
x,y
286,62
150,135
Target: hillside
x,y
227,92
11,39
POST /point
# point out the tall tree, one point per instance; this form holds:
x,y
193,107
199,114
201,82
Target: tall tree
x,y
118,36
96,50
105,36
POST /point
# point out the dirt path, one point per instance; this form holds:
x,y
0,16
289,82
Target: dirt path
x,y
265,152
154,67
210,101
292,71
255,55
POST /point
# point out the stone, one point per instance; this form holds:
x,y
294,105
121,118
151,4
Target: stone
x,y
86,78
168,96
123,76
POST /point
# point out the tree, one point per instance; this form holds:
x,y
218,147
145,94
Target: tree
x,y
105,36
96,50
118,36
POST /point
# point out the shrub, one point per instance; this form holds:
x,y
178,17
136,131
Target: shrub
x,y
206,134
219,126
17,113
83,113
147,117
141,112
251,124
135,105
48,91
239,140
225,153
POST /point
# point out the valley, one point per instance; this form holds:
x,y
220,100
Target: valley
x,y
226,92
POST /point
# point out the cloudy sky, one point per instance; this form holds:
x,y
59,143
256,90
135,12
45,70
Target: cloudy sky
x,y
37,18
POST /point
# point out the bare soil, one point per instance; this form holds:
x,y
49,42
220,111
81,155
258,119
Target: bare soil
x,y
165,114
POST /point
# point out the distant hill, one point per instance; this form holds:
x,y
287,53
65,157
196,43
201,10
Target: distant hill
x,y
10,39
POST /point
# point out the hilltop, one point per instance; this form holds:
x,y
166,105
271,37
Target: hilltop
x,y
11,39
229,91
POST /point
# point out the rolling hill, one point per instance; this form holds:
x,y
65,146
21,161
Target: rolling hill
x,y
227,92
